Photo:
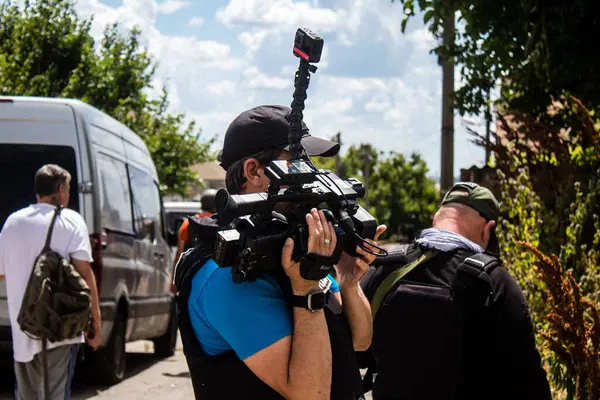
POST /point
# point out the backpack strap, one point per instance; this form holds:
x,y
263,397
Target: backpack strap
x,y
51,228
382,290
472,280
390,281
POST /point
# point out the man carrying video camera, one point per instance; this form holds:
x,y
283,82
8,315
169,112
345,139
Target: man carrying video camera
x,y
262,339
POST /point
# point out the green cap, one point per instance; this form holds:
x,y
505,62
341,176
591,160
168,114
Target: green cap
x,y
477,197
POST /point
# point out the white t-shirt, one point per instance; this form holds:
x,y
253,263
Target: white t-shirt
x,y
21,241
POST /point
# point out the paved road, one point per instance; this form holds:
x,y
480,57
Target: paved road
x,y
147,378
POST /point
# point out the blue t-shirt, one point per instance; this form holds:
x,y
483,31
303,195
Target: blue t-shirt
x,y
245,317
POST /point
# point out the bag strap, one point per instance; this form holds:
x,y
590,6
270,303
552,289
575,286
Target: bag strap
x,y
51,228
391,280
388,283
473,280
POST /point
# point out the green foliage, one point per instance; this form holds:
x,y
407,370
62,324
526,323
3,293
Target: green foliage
x,y
538,50
551,199
46,50
399,193
549,160
174,144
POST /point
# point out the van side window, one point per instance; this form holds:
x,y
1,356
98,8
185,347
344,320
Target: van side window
x,y
147,210
115,202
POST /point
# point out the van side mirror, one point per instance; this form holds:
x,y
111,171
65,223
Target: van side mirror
x,y
149,229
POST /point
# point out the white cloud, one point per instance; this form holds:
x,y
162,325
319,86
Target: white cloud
x,y
379,103
345,40
289,70
171,6
212,81
336,106
196,21
223,88
283,13
254,79
427,70
185,61
422,39
253,40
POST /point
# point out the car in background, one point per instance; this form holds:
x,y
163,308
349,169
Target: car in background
x,y
176,212
115,187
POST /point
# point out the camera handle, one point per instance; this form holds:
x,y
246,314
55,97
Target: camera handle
x,y
301,82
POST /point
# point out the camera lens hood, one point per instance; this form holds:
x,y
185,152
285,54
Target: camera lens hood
x,y
226,207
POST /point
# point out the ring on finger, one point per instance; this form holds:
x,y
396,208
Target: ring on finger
x,y
327,241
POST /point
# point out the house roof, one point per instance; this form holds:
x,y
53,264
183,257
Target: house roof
x,y
209,171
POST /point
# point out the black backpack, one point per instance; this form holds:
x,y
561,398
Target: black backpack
x,y
419,327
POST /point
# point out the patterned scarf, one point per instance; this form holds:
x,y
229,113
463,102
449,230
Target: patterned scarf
x,y
443,240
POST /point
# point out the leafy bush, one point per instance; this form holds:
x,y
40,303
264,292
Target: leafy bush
x,y
549,168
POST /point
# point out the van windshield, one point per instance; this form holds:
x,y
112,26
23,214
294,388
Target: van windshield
x,y
18,165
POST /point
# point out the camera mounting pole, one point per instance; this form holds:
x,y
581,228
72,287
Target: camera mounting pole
x,y
308,47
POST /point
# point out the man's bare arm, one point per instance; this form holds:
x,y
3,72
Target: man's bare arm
x,y
298,366
358,312
85,270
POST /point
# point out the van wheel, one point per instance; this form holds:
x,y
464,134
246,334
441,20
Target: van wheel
x,y
109,362
164,346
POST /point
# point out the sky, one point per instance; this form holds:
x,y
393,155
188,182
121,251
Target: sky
x,y
374,84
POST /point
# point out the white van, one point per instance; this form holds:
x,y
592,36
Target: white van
x,y
115,188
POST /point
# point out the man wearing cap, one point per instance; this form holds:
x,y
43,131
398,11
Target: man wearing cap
x,y
262,339
449,321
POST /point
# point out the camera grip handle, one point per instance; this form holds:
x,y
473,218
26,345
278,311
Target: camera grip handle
x,y
314,267
300,236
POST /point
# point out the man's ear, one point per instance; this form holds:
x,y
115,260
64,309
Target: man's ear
x,y
487,232
253,172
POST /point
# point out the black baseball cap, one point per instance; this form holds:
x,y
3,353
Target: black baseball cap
x,y
482,200
267,127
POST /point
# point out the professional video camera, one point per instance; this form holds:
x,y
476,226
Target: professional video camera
x,y
252,233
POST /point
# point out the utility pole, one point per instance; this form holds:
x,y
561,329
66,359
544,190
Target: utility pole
x,y
338,139
447,179
488,122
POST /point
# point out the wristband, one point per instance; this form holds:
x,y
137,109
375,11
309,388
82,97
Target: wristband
x,y
314,301
314,267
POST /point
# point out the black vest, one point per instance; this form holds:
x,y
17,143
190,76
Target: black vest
x,y
414,339
225,376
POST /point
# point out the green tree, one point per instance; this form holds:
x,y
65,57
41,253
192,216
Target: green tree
x,y
402,196
548,160
399,193
538,50
177,142
46,50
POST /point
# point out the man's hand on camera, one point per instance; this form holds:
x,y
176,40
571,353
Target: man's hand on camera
x,y
351,269
322,240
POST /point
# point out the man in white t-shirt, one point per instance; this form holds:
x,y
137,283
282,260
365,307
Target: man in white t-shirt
x,y
21,241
